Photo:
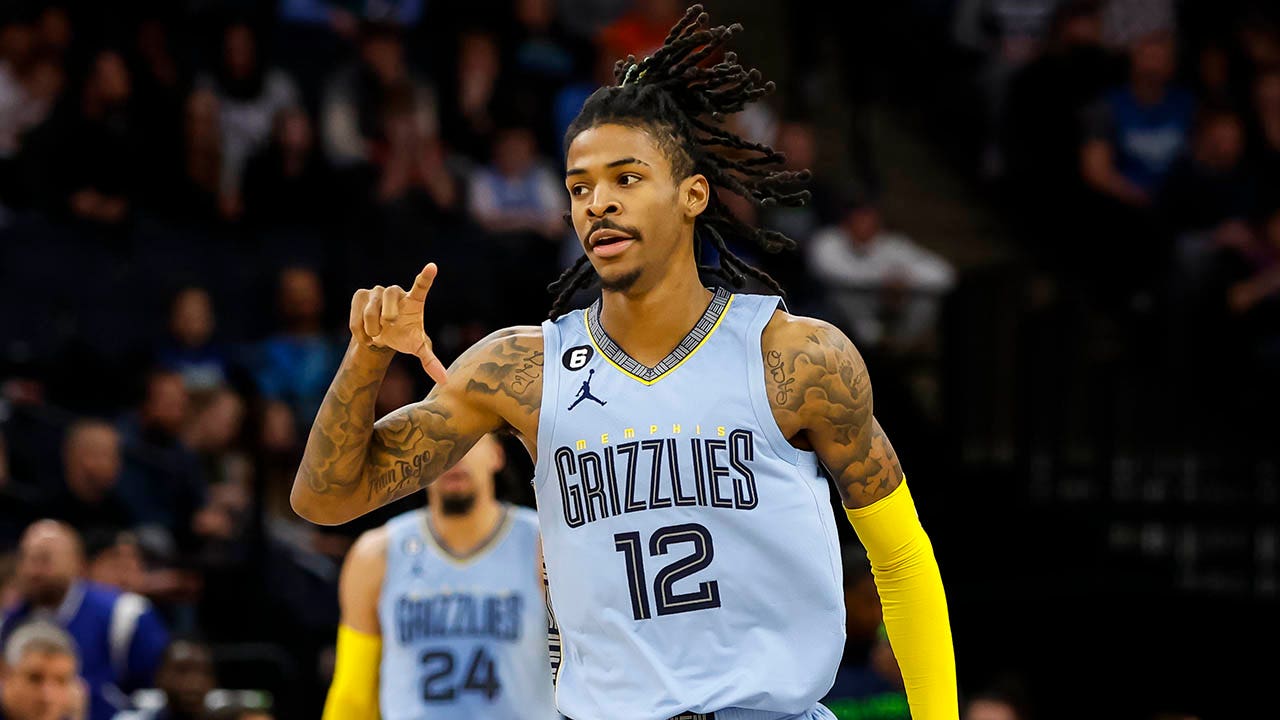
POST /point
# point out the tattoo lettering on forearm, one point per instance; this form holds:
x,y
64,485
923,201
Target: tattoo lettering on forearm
x,y
392,481
411,447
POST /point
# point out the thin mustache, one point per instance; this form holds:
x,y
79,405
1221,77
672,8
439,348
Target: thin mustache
x,y
607,224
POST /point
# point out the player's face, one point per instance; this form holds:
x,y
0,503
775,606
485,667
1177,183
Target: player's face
x,y
40,686
631,216
461,484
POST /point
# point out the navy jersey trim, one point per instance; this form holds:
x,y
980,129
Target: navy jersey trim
x,y
494,539
702,330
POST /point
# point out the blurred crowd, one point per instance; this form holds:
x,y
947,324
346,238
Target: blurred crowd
x,y
191,191
1137,147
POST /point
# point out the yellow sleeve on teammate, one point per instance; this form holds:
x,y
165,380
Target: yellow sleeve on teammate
x,y
353,695
915,605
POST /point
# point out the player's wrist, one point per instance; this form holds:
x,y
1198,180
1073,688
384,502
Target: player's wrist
x,y
368,356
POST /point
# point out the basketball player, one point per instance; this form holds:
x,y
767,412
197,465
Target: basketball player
x,y
693,562
442,608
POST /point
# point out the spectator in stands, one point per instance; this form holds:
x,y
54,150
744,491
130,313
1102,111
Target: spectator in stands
x,y
470,119
1257,295
517,192
214,433
93,148
161,481
119,636
797,140
1046,100
196,190
89,496
160,94
250,94
359,94
886,288
294,366
38,676
1211,185
30,83
543,57
186,677
573,95
17,41
189,350
413,162
114,559
287,184
1137,131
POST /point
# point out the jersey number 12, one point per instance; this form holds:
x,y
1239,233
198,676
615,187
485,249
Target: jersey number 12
x,y
667,600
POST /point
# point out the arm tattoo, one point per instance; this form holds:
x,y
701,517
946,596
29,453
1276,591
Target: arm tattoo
x,y
512,371
820,386
333,461
414,445
348,453
411,447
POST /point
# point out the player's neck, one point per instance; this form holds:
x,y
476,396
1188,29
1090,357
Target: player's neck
x,y
463,534
650,322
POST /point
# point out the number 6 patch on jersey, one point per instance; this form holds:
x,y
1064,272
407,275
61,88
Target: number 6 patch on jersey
x,y
576,358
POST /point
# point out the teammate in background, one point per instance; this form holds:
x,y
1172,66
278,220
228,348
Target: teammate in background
x,y
442,608
693,562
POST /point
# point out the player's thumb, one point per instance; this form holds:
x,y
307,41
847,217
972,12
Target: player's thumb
x,y
431,364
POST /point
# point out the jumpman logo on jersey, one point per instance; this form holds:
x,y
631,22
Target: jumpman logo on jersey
x,y
584,392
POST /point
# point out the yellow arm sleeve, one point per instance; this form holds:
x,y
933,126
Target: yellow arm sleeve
x,y
915,605
353,695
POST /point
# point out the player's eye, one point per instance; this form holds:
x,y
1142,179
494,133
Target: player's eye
x,y
578,190
628,179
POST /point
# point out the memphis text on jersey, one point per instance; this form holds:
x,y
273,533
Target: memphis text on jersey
x,y
696,465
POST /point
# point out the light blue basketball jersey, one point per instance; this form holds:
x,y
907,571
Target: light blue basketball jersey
x,y
464,638
691,550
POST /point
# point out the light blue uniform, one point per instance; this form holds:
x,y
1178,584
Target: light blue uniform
x,y
464,637
691,550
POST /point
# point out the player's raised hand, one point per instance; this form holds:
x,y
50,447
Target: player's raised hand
x,y
392,318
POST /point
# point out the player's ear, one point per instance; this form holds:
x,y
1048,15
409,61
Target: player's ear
x,y
695,193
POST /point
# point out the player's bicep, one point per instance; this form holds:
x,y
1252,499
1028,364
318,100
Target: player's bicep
x,y
835,406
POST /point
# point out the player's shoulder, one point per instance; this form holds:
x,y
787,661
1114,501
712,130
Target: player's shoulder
x,y
513,338
371,546
786,332
523,516
502,348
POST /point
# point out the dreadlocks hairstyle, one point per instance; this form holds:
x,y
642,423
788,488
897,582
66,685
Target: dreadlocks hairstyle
x,y
683,102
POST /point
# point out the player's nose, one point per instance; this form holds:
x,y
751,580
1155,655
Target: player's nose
x,y
601,206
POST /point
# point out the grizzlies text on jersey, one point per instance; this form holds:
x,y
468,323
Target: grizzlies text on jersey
x,y
464,637
691,550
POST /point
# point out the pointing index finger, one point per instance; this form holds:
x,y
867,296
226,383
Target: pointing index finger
x,y
422,283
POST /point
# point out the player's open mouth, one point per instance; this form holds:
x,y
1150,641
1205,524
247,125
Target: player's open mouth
x,y
607,243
